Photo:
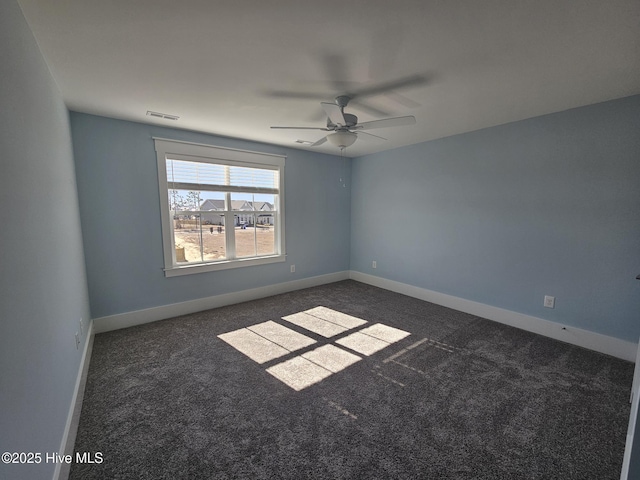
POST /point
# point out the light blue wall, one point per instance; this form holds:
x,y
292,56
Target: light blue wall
x,y
506,215
43,290
501,216
120,211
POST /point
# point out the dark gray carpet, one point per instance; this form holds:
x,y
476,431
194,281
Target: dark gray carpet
x,y
473,400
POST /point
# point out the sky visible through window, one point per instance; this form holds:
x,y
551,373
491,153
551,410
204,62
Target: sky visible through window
x,y
203,173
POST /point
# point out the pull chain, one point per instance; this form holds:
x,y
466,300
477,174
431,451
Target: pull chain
x,y
343,161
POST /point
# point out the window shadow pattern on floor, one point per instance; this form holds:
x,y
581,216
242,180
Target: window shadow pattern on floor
x,y
268,341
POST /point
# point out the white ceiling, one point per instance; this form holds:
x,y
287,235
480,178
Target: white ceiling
x,y
217,63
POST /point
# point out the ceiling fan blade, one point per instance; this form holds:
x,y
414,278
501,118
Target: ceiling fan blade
x,y
365,107
317,116
319,142
334,112
366,134
304,128
387,122
297,95
402,100
413,80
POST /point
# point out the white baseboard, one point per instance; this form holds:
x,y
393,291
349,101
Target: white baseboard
x,y
62,469
138,317
575,336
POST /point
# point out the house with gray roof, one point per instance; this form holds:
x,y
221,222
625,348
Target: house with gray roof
x,y
239,206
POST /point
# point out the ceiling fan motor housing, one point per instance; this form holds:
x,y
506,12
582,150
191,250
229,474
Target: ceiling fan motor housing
x,y
350,121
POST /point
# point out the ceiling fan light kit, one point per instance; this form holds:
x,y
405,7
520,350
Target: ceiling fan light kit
x,y
342,139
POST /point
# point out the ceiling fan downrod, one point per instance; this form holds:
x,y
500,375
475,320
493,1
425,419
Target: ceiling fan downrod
x,y
342,101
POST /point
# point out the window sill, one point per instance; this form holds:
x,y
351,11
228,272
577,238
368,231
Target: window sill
x,y
224,265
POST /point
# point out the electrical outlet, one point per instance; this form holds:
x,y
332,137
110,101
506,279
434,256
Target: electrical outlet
x,y
374,264
293,269
77,341
549,302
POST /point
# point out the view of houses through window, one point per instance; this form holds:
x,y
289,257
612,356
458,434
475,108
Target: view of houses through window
x,y
199,224
221,208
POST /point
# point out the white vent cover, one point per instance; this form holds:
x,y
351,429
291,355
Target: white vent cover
x,y
166,116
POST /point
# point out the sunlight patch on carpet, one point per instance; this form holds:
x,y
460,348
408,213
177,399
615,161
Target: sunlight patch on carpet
x,y
269,340
362,343
331,357
266,341
299,373
283,336
336,317
257,348
315,324
385,333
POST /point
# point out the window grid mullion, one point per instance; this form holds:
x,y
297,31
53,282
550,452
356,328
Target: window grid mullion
x,y
229,228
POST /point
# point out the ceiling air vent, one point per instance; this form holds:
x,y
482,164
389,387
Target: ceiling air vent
x,y
166,116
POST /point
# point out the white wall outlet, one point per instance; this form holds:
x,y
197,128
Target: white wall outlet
x,y
549,302
293,268
374,264
77,341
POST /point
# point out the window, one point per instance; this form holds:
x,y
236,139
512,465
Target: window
x,y
221,208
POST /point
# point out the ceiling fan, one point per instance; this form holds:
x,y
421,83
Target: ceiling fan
x,y
345,126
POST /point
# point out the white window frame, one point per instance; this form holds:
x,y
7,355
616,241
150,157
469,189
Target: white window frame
x,y
180,150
